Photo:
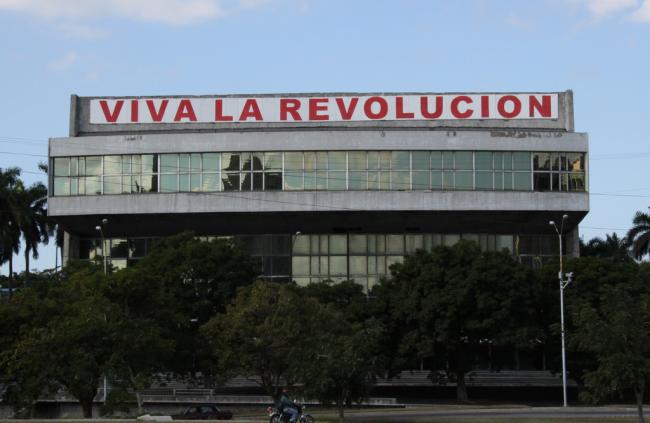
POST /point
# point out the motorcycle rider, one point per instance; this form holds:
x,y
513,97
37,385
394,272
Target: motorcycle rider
x,y
287,406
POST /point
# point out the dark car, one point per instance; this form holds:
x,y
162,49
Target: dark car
x,y
203,412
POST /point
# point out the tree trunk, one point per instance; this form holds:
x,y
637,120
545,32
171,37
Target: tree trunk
x,y
339,404
138,398
26,265
87,407
11,274
461,388
639,393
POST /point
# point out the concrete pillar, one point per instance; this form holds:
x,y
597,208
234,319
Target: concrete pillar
x,y
70,247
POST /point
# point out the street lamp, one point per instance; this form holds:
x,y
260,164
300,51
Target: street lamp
x,y
101,233
563,284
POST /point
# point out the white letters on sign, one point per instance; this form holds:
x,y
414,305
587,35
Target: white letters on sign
x,y
323,109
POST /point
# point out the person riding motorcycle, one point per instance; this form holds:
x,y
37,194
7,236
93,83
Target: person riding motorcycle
x,y
287,406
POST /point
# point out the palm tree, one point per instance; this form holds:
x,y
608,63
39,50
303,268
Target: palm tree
x,y
10,185
612,246
639,235
33,221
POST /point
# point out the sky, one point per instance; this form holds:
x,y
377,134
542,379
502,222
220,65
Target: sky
x,y
600,49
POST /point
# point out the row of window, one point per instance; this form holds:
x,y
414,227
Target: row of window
x,y
308,171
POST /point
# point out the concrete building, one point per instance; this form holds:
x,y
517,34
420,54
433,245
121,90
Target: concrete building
x,y
321,186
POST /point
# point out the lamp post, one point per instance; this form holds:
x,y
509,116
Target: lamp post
x,y
101,233
563,284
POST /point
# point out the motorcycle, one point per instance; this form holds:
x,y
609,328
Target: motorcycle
x,y
275,416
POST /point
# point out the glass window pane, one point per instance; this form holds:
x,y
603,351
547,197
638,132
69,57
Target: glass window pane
x,y
229,181
136,163
321,160
74,166
358,244
448,180
126,164
324,244
541,181
464,180
300,266
310,180
373,160
62,186
421,180
483,160
436,160
522,181
245,160
337,160
211,162
504,241
541,161
293,180
338,266
126,184
272,181
414,243
112,184
336,181
384,160
507,180
210,182
137,247
301,244
577,182
448,159
273,161
576,162
195,162
310,160
74,184
400,181
169,163
230,161
93,185
82,166
358,265
246,181
451,239
395,244
400,160
94,166
195,182
420,160
169,183
498,180
373,180
498,160
463,160
436,180
357,160
484,180
338,244
358,181
293,161
384,180
149,163
521,160
62,166
183,163
184,182
112,165
150,183
555,161
507,160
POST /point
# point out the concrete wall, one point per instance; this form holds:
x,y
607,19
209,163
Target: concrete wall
x,y
495,140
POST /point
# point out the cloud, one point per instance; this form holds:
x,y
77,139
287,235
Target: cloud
x,y
63,63
519,23
603,8
169,12
642,14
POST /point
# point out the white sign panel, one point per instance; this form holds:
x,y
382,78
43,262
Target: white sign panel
x,y
324,109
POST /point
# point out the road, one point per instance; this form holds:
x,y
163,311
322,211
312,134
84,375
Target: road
x,y
423,413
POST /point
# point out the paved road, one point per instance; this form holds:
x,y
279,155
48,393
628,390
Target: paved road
x,y
415,413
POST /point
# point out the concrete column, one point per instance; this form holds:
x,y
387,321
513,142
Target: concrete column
x,y
70,247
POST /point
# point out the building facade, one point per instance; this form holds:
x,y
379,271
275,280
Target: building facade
x,y
321,186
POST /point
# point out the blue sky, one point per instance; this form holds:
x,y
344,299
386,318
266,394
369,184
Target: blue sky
x,y
600,49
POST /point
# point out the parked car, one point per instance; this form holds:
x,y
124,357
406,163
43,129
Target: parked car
x,y
203,412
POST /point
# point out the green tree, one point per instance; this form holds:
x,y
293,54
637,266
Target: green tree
x,y
182,284
267,335
616,328
348,348
639,235
32,220
450,301
612,246
10,184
